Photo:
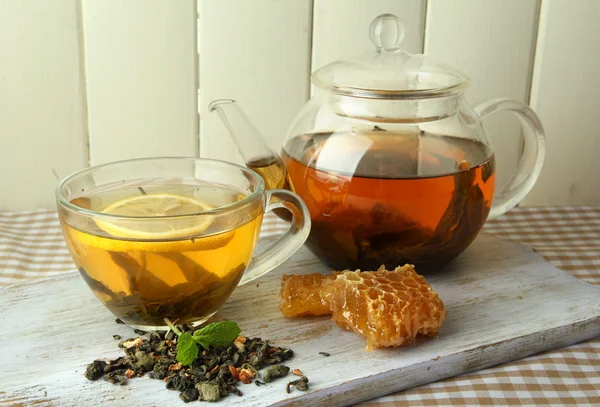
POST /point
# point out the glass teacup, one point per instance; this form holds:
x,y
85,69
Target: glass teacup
x,y
161,239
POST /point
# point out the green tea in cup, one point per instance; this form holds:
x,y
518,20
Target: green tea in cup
x,y
171,238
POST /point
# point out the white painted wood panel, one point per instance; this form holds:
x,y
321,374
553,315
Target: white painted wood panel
x,y
566,95
42,111
341,27
493,42
140,73
256,52
140,60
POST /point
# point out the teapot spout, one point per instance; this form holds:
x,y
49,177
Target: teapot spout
x,y
254,149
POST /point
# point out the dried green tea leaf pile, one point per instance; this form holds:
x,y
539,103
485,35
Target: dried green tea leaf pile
x,y
202,364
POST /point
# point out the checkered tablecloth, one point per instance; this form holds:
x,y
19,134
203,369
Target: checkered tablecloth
x,y
31,245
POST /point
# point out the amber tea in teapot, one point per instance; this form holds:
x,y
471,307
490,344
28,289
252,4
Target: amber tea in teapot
x,y
393,163
411,198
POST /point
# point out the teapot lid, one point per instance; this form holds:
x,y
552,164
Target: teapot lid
x,y
389,72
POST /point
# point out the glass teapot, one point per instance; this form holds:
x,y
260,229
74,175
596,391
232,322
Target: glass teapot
x,y
393,164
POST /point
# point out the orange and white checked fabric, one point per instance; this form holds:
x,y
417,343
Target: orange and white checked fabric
x,y
31,245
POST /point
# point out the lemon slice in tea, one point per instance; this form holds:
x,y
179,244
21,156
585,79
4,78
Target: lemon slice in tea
x,y
156,205
155,235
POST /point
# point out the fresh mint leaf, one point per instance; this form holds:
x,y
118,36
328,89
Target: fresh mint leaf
x,y
217,334
202,342
187,350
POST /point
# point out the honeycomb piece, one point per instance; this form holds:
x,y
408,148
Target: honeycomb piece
x,y
389,308
303,295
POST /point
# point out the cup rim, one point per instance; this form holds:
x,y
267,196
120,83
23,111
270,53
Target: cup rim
x,y
258,180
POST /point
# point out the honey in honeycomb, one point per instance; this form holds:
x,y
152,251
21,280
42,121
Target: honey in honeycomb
x,y
303,295
389,308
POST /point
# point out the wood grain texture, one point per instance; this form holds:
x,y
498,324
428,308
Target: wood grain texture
x,y
341,27
500,308
256,52
493,42
565,94
140,60
42,110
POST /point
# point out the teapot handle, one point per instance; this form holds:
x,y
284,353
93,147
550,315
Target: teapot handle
x,y
532,156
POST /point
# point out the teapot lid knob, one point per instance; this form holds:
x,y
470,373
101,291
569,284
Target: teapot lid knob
x,y
387,71
386,32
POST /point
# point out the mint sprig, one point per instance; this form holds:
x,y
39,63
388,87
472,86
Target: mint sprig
x,y
187,351
214,334
217,334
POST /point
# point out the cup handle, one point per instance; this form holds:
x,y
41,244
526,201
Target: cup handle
x,y
532,156
287,244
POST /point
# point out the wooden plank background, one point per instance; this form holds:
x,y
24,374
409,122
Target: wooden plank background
x,y
85,82
494,43
256,52
566,96
42,106
141,78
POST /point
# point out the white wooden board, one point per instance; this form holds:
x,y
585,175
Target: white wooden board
x,y
504,302
42,105
566,81
141,76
